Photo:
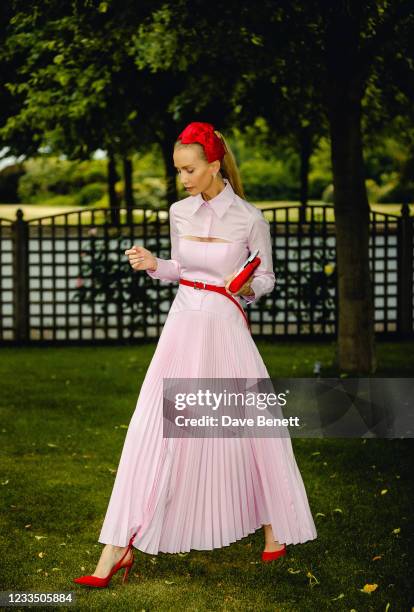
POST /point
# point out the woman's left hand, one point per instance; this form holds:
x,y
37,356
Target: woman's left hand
x,y
244,289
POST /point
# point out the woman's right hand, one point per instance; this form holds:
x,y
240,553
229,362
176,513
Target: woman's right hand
x,y
141,259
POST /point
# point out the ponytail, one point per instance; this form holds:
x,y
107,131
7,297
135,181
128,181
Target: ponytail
x,y
229,169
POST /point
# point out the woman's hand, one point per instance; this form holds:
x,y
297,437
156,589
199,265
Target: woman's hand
x,y
244,289
141,259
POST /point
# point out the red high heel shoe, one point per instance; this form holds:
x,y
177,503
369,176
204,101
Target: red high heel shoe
x,y
271,556
95,581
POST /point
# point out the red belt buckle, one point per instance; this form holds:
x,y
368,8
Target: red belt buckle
x,y
202,282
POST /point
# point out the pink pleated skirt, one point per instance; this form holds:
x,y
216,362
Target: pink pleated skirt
x,y
179,494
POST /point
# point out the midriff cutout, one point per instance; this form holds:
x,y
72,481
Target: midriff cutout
x,y
203,239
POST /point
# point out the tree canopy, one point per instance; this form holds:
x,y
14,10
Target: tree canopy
x,y
82,75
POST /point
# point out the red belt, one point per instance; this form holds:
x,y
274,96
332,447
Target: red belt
x,y
218,289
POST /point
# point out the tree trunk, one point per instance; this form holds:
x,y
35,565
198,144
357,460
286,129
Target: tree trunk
x,y
305,153
113,197
128,188
344,89
170,171
356,348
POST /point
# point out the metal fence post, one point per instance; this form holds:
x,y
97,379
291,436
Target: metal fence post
x,y
20,234
405,272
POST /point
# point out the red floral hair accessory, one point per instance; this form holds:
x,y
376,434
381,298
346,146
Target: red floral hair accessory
x,y
203,133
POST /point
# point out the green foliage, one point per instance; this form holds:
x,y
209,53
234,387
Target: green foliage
x,y
47,177
44,177
270,166
88,171
157,45
150,191
53,181
269,172
148,164
268,180
328,194
85,79
320,174
390,163
89,194
396,191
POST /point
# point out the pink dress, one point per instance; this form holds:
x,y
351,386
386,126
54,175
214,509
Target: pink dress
x,y
180,494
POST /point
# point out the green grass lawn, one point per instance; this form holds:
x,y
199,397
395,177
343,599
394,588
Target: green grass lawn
x,y
64,414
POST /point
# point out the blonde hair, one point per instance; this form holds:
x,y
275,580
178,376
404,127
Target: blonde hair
x,y
228,165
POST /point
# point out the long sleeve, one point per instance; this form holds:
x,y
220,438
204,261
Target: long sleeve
x,y
263,277
169,269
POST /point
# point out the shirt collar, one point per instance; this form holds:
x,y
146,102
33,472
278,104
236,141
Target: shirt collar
x,y
220,203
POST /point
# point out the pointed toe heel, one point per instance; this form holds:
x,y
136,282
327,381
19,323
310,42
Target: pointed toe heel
x,y
272,556
101,583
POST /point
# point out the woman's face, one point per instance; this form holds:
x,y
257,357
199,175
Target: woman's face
x,y
195,173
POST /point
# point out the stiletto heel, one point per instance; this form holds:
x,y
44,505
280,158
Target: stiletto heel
x,y
125,578
271,556
95,581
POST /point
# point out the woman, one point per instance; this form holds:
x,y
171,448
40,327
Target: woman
x,y
177,494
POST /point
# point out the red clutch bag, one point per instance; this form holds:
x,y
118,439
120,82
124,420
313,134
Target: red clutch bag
x,y
245,272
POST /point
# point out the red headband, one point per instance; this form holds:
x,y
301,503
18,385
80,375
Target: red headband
x,y
203,133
